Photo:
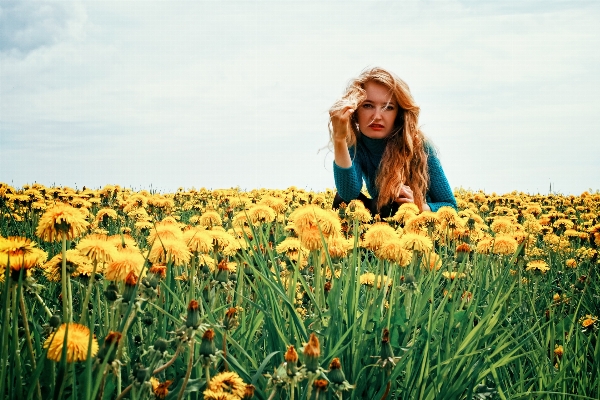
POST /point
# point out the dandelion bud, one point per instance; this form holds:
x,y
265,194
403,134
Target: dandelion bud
x,y
320,385
291,359
55,321
109,349
327,288
148,320
130,284
193,315
141,374
248,392
312,351
230,322
112,292
207,346
336,375
222,272
386,347
160,345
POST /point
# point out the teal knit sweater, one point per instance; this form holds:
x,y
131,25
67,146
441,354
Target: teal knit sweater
x,y
349,181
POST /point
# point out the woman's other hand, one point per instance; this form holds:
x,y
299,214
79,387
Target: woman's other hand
x,y
405,195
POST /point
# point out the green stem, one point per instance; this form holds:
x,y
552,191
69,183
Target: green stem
x,y
65,300
84,307
189,369
15,346
28,340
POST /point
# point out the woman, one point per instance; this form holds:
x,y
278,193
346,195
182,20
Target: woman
x,y
375,135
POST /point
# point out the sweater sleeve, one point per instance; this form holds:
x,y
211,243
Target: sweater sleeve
x,y
348,181
439,193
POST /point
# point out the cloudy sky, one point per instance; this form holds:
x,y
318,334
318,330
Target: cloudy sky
x,y
170,94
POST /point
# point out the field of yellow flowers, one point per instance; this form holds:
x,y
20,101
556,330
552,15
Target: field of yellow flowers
x,y
271,294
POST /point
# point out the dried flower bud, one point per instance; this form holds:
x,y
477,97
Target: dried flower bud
x,y
193,315
335,374
222,272
386,347
130,285
207,346
109,349
291,359
230,322
312,351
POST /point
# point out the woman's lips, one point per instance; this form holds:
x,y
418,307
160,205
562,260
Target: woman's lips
x,y
376,127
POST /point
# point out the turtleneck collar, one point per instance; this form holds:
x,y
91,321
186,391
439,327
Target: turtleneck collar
x,y
374,146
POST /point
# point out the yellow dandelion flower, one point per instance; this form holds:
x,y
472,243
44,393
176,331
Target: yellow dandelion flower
x,y
393,250
172,250
367,279
588,321
78,337
222,239
261,214
504,244
199,240
126,261
21,252
165,232
97,248
377,234
484,246
311,238
228,382
313,217
447,215
502,225
104,215
77,264
210,218
218,395
417,242
61,218
571,263
537,265
452,275
338,247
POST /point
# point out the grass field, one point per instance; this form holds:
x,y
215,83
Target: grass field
x,y
270,294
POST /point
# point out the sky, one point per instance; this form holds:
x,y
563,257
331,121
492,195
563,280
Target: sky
x,y
218,94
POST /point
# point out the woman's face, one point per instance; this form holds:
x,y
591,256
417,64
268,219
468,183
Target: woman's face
x,y
376,115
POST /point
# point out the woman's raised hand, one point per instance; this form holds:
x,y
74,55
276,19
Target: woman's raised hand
x,y
340,122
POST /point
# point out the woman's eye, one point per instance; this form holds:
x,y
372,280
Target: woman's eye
x,y
367,106
389,108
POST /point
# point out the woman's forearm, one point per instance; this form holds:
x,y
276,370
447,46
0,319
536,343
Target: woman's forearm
x,y
341,154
